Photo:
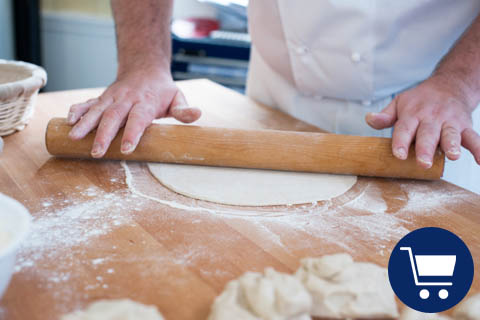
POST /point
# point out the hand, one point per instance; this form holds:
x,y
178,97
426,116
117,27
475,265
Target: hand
x,y
435,112
134,100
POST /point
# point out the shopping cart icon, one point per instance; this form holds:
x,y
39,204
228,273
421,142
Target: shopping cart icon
x,y
431,266
442,268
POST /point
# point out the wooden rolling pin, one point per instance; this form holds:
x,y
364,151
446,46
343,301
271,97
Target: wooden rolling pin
x,y
262,149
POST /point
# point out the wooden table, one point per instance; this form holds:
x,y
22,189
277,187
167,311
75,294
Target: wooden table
x,y
93,238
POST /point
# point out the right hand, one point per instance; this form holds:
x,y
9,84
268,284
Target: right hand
x,y
134,100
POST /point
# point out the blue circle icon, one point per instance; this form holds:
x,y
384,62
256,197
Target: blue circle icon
x,y
430,270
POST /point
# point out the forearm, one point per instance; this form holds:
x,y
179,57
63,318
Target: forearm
x,y
143,34
460,68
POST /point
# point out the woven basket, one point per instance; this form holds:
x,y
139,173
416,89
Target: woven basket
x,y
19,85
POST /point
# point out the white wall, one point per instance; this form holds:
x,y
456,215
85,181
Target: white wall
x,y
6,30
79,50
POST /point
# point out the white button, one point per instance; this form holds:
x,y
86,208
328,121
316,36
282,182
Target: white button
x,y
356,57
367,103
302,50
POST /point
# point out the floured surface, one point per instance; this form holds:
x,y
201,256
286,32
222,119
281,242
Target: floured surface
x,y
93,237
125,235
250,187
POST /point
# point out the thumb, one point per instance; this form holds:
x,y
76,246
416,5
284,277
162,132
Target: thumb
x,y
180,110
383,119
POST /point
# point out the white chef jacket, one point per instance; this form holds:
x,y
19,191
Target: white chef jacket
x,y
330,62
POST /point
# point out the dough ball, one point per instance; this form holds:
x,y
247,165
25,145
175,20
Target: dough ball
x,y
468,309
342,288
410,314
272,296
123,309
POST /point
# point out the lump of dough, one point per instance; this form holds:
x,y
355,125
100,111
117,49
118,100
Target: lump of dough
x,y
327,266
272,296
342,288
231,304
410,314
468,309
123,309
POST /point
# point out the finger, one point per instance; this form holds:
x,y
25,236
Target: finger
x,y
426,142
383,119
112,119
450,142
471,141
78,110
180,110
88,122
139,118
403,134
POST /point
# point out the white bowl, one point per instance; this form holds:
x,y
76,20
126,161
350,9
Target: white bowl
x,y
14,226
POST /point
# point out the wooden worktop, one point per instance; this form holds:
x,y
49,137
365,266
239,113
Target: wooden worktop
x,y
95,238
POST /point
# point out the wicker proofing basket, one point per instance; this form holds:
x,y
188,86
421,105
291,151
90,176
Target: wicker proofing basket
x,y
19,85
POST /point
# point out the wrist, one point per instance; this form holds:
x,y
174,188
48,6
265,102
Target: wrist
x,y
144,61
154,69
458,86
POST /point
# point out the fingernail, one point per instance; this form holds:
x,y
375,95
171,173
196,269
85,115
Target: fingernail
x,y
454,151
97,150
182,107
127,147
425,160
401,153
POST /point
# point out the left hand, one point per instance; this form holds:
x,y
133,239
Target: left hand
x,y
434,112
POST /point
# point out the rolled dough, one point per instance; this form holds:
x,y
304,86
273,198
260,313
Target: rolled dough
x,y
250,187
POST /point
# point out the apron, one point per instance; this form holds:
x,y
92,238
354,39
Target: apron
x,y
331,62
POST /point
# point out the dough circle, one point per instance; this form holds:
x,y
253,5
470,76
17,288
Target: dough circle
x,y
250,187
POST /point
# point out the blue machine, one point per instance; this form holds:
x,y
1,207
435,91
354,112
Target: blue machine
x,y
222,56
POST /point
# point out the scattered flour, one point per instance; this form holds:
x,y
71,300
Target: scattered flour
x,y
58,238
70,226
98,261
